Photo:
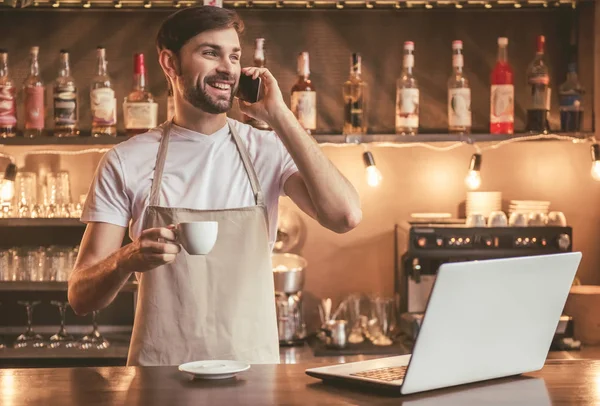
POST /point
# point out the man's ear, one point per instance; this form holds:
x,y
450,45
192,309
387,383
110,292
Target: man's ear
x,y
169,63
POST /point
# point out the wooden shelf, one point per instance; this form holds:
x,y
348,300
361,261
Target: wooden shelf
x,y
27,286
41,222
320,138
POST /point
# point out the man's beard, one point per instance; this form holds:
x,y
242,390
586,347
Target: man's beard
x,y
200,98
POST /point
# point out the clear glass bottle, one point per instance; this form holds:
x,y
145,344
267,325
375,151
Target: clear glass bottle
x,y
459,94
571,109
8,103
502,101
355,99
304,96
538,79
139,109
407,95
260,61
65,100
34,97
102,99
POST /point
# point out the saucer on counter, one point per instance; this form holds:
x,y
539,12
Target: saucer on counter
x,y
213,369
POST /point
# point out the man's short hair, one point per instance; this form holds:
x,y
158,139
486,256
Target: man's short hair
x,y
185,24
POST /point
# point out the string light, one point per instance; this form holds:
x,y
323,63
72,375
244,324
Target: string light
x,y
117,4
595,149
473,178
87,4
373,175
147,4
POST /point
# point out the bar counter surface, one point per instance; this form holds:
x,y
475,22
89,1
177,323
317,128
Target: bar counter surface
x,y
559,382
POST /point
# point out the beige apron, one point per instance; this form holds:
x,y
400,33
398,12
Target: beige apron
x,y
215,306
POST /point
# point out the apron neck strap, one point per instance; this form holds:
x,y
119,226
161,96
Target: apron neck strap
x,y
162,157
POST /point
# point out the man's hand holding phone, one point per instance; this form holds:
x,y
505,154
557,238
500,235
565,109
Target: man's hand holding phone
x,y
259,95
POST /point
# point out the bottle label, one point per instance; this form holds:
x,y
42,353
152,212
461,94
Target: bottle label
x,y
65,106
104,107
502,104
459,107
407,108
458,60
34,107
8,111
140,115
570,102
304,106
540,97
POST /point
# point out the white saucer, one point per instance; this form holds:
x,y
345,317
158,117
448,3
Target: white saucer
x,y
213,369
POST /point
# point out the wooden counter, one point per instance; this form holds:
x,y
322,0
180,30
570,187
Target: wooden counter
x,y
559,382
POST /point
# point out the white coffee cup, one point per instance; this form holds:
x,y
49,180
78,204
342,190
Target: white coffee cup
x,y
198,237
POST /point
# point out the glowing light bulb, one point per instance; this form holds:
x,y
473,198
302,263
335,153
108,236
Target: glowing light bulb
x,y
7,191
473,180
373,176
596,170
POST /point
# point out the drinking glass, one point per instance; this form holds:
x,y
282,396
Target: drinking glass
x,y
62,338
29,338
25,193
6,273
94,339
58,194
57,267
382,316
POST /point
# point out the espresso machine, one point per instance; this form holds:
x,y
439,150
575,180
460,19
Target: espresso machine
x,y
288,275
426,246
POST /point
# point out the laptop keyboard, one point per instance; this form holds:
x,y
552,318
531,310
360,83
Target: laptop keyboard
x,y
383,374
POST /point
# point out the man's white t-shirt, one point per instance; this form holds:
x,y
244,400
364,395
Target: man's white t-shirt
x,y
201,171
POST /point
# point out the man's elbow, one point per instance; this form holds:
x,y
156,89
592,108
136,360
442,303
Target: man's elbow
x,y
346,221
77,305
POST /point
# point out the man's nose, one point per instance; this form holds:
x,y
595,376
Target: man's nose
x,y
226,66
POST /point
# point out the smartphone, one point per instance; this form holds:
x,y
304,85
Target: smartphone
x,y
249,89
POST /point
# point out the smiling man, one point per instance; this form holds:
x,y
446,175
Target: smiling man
x,y
203,166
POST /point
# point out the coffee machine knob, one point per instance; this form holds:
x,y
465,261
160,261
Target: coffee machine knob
x,y
564,242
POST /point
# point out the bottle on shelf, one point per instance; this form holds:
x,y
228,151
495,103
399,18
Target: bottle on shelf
x,y
34,97
407,95
571,109
355,99
538,78
102,99
65,100
502,101
139,109
8,103
459,94
260,61
304,96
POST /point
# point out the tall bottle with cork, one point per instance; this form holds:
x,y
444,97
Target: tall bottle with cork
x,y
407,95
139,109
538,79
355,99
304,96
502,101
8,103
102,99
260,61
34,97
459,94
66,114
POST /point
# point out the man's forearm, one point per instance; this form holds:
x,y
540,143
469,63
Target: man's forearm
x,y
335,199
95,286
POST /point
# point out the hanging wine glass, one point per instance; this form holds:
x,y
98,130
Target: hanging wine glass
x,y
94,339
29,338
62,338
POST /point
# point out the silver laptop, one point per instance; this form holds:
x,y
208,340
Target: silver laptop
x,y
484,320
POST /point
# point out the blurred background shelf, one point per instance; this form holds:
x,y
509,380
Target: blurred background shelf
x,y
41,222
